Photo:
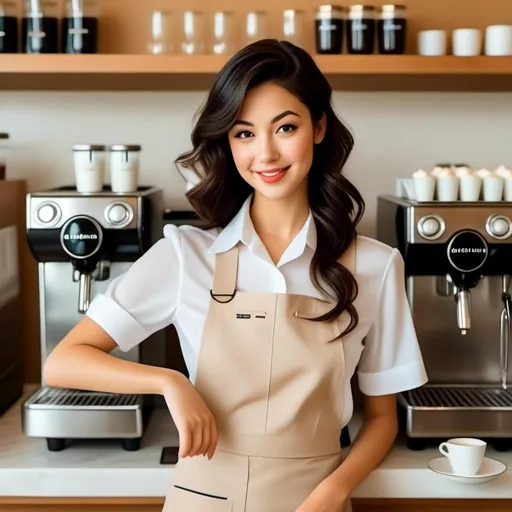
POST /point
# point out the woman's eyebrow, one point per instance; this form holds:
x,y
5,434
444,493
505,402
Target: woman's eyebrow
x,y
275,120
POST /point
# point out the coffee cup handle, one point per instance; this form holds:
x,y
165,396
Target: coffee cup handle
x,y
443,448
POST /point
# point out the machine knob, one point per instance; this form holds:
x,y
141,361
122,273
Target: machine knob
x,y
499,226
119,214
431,227
48,213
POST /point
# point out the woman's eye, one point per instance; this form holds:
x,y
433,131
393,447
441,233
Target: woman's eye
x,y
243,135
287,128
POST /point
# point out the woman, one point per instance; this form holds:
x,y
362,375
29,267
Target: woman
x,y
276,302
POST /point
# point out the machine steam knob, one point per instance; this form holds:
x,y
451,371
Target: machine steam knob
x,y
119,214
48,214
499,226
431,227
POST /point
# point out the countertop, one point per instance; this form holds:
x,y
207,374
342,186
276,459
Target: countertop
x,y
104,469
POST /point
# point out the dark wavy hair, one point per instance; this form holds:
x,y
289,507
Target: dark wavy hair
x,y
336,205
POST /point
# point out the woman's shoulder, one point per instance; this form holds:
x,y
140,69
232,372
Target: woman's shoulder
x,y
374,256
190,237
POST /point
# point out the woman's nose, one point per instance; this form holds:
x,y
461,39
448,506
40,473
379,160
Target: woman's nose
x,y
268,151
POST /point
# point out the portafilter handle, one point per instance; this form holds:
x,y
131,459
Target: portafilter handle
x,y
463,310
84,292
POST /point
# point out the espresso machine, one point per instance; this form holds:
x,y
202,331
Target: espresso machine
x,y
82,242
458,263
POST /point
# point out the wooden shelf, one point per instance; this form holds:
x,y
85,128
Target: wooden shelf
x,y
182,72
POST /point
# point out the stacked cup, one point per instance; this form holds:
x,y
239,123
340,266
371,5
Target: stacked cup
x,y
90,167
452,183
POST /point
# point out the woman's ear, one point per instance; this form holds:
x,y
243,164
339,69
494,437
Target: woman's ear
x,y
320,128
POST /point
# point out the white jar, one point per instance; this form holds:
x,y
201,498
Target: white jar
x,y
124,167
89,161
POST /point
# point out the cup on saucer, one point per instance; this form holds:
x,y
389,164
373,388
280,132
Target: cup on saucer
x,y
465,454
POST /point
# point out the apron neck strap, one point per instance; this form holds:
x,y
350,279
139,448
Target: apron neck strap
x,y
226,271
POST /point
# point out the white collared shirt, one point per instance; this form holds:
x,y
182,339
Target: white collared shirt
x,y
170,284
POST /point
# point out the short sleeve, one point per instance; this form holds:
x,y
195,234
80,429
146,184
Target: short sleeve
x,y
145,298
391,361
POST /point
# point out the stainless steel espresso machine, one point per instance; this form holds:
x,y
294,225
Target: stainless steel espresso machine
x,y
458,263
82,242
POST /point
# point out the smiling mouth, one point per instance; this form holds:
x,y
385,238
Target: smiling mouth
x,y
273,172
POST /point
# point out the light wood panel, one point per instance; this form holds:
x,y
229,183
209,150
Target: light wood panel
x,y
155,505
179,72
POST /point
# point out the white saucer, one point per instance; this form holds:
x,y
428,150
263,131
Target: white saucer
x,y
489,470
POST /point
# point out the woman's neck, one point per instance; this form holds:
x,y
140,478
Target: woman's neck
x,y
277,221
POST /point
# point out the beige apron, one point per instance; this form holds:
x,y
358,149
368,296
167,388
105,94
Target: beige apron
x,y
274,382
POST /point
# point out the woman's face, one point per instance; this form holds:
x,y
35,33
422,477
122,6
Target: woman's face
x,y
272,141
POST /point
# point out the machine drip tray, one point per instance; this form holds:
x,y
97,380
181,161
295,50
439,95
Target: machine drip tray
x,y
50,397
440,412
455,397
60,414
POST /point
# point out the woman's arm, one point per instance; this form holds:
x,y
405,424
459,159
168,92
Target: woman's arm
x,y
372,443
82,360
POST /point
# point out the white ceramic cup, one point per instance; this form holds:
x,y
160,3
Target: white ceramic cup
x,y
470,187
507,189
493,188
89,170
447,188
424,187
124,169
465,454
432,42
467,42
498,40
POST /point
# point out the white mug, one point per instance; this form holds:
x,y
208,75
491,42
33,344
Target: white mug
x,y
432,42
467,42
498,40
465,454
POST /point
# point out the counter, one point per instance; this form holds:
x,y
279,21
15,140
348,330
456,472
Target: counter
x,y
102,469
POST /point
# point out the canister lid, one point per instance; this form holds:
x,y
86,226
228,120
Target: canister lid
x,y
89,147
361,11
125,147
392,7
325,12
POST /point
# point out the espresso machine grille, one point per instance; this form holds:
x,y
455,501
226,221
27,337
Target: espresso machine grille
x,y
82,242
458,263
459,398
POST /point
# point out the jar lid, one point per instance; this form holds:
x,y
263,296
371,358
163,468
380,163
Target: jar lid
x,y
362,7
393,7
4,135
89,147
125,147
326,9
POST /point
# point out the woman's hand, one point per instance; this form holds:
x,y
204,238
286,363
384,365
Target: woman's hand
x,y
194,421
325,498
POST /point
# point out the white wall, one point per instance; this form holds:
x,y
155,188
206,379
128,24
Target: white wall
x,y
395,134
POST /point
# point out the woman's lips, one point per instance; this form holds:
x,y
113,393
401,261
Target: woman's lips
x,y
274,175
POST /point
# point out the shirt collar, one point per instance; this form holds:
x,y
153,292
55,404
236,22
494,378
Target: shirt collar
x,y
241,229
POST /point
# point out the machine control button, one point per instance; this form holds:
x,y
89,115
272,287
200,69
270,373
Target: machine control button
x,y
119,214
499,226
48,214
431,227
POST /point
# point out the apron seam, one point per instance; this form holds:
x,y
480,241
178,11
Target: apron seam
x,y
271,361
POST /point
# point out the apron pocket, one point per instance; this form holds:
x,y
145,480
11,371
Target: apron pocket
x,y
183,499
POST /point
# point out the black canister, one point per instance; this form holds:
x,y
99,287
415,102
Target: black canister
x,y
329,21
40,27
361,29
392,29
8,27
80,26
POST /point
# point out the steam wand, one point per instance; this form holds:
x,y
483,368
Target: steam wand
x,y
505,329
